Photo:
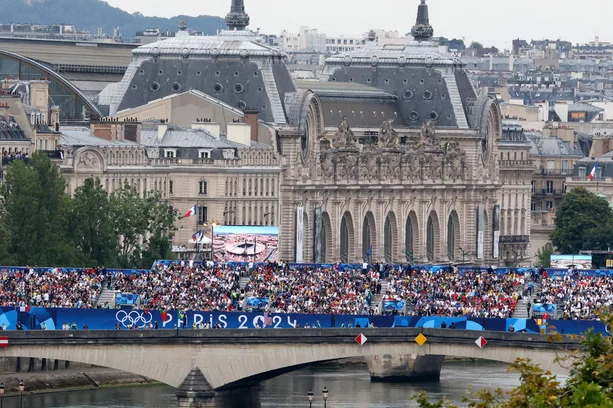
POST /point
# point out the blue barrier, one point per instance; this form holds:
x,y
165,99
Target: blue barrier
x,y
105,319
541,308
16,269
127,299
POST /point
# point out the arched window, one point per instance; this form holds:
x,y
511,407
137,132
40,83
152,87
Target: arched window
x,y
366,241
344,241
430,240
451,234
409,247
388,240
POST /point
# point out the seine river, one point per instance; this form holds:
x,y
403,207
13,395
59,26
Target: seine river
x,y
349,388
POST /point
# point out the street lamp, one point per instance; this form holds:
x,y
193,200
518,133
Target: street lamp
x,y
325,394
22,388
310,396
1,393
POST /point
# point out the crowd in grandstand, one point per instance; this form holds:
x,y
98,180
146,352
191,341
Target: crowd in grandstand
x,y
314,290
55,288
184,288
447,292
578,296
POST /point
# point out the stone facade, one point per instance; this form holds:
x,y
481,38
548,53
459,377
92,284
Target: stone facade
x,y
241,190
415,198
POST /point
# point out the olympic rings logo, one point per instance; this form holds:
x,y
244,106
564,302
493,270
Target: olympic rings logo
x,y
134,318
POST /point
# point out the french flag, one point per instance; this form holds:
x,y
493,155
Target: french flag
x,y
593,172
24,309
192,211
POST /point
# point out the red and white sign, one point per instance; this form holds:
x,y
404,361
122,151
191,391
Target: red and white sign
x,y
481,342
4,341
361,339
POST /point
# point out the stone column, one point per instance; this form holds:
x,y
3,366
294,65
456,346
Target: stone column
x,y
195,392
405,368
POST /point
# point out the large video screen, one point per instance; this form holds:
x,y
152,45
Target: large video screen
x,y
568,261
246,244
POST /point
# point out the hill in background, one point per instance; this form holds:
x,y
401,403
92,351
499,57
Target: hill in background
x,y
91,14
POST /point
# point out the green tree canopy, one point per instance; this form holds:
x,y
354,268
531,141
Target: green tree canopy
x,y
476,45
581,216
590,384
42,225
544,256
92,225
35,207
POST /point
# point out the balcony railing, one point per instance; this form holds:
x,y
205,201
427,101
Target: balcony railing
x,y
181,162
584,178
547,192
554,172
515,239
517,163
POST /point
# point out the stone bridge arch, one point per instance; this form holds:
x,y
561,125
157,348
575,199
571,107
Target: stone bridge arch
x,y
237,358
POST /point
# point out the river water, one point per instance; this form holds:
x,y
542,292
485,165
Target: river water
x,y
349,388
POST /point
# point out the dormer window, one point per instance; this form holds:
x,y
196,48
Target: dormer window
x,y
204,154
170,153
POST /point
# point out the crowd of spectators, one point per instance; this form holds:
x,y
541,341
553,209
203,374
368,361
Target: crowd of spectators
x,y
179,287
449,293
578,297
7,157
54,288
314,290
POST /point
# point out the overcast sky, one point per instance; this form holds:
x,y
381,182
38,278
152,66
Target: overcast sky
x,y
493,22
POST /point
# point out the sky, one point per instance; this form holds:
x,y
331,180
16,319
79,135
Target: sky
x,y
492,22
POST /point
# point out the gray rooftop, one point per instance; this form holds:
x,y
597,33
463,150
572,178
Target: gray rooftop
x,y
552,146
188,138
82,136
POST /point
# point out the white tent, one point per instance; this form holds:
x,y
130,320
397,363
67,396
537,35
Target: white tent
x,y
203,240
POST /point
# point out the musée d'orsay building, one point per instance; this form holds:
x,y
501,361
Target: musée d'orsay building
x,y
390,157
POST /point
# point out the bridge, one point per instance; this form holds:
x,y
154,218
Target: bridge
x,y
203,364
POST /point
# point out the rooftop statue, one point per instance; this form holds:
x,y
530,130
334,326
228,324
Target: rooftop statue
x,y
388,137
344,137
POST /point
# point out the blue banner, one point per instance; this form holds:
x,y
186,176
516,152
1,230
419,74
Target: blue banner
x,y
258,302
106,319
391,305
541,308
127,299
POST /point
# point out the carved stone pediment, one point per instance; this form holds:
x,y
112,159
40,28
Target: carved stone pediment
x,y
89,162
344,160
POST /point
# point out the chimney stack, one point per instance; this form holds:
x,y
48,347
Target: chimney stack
x,y
251,119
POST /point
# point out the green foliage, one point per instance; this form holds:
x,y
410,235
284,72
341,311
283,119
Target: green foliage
x,y
544,256
42,225
476,45
91,223
590,384
91,14
583,221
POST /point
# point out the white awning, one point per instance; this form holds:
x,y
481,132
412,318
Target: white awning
x,y
204,240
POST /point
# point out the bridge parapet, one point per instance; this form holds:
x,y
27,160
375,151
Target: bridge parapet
x,y
230,359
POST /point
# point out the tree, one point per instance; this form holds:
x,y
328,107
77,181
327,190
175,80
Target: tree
x,y
590,384
90,220
544,256
35,207
476,45
142,223
581,215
